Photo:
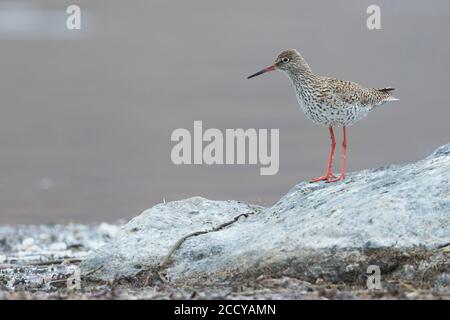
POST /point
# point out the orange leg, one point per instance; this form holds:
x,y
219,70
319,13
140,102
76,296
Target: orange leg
x,y
329,175
344,155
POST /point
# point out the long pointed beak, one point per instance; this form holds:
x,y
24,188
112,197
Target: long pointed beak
x,y
271,68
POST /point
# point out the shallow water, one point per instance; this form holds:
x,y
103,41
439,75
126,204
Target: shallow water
x,y
86,120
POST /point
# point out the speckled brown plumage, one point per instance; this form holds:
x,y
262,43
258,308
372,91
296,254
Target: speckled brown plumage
x,y
328,101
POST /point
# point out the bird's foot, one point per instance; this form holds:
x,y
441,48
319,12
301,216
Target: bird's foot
x,y
341,178
329,177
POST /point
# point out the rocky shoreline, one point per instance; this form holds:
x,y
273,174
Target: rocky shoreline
x,y
317,242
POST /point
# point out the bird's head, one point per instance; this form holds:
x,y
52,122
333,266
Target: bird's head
x,y
286,61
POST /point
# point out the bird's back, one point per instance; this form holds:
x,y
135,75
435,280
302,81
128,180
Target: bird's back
x,y
347,93
333,102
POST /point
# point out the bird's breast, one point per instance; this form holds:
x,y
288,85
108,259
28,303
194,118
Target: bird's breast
x,y
328,113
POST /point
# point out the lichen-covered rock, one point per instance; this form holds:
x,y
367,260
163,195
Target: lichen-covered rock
x,y
385,216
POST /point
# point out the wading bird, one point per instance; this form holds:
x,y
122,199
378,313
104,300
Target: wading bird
x,y
328,101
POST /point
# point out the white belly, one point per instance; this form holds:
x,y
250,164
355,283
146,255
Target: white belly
x,y
335,116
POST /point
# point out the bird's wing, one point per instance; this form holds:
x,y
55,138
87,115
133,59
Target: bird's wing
x,y
350,93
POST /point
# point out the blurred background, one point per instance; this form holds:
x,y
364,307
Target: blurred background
x,y
86,116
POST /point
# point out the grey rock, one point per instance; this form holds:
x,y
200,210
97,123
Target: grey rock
x,y
146,240
332,231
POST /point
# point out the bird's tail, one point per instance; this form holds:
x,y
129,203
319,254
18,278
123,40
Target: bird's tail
x,y
387,91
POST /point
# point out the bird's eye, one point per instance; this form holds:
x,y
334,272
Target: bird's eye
x,y
285,60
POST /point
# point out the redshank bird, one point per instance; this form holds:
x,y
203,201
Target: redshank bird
x,y
328,101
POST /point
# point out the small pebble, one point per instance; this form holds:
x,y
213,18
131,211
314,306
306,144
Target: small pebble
x,y
58,246
108,230
27,243
45,237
